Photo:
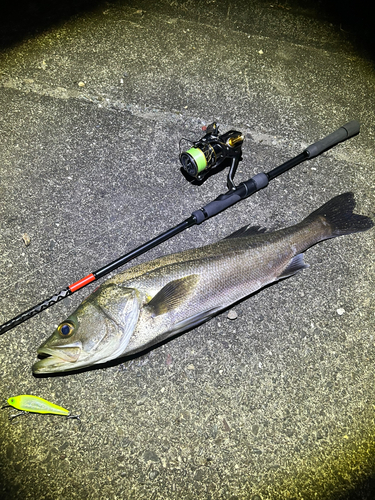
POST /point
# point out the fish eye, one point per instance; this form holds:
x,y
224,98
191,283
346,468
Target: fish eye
x,y
65,329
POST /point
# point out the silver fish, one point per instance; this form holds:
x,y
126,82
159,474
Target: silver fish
x,y
150,302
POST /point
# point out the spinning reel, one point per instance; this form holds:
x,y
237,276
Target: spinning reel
x,y
212,150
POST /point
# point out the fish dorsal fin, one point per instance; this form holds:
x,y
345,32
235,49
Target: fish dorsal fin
x,y
246,231
173,294
295,265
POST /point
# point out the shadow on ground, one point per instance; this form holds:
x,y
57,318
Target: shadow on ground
x,y
20,20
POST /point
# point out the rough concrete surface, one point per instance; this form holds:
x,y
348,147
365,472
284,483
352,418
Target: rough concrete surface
x,y
278,403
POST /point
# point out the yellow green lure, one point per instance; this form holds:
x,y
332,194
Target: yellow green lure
x,y
26,403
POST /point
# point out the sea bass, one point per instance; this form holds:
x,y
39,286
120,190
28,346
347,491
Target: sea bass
x,y
150,302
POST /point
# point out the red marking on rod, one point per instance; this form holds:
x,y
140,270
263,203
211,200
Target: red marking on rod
x,y
81,283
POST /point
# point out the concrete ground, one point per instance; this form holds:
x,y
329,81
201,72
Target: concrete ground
x,y
276,404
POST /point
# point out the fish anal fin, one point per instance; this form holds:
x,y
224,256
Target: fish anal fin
x,y
173,294
195,320
296,264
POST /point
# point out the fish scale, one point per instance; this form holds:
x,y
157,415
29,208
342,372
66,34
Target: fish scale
x,y
223,281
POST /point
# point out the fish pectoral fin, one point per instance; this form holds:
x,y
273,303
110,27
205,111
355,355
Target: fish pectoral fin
x,y
295,265
173,294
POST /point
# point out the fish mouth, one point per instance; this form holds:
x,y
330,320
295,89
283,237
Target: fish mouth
x,y
56,359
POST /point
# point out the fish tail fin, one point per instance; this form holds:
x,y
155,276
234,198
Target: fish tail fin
x,y
338,214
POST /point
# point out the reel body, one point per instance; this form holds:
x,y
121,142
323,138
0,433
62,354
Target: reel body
x,y
210,151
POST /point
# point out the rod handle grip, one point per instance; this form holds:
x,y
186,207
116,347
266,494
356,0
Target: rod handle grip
x,y
216,206
228,199
342,134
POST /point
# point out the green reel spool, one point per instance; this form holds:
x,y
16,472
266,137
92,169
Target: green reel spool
x,y
196,160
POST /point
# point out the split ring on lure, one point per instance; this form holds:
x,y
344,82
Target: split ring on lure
x,y
26,403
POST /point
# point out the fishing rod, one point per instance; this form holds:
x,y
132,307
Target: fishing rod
x,y
202,159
